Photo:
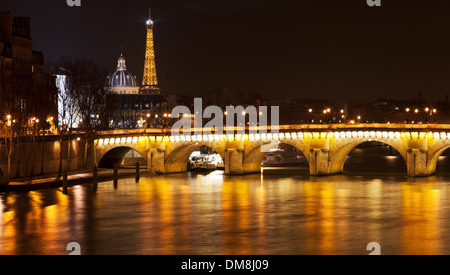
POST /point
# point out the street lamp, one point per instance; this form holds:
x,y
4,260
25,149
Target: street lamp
x,y
148,120
407,115
343,115
327,113
416,111
8,123
427,111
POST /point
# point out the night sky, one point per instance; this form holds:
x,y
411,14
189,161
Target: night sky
x,y
328,49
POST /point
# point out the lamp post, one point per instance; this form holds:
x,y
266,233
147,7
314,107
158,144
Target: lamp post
x,y
165,120
310,115
10,149
407,115
148,120
34,121
416,111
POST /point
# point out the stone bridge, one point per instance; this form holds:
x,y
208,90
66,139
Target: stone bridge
x,y
324,146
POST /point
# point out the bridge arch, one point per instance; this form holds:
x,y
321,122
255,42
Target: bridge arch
x,y
433,159
177,159
116,155
339,156
253,159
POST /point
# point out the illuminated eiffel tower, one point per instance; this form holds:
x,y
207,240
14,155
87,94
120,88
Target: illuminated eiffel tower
x,y
150,81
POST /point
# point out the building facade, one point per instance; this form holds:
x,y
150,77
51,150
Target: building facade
x,y
126,106
26,91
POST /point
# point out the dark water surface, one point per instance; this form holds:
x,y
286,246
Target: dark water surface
x,y
273,213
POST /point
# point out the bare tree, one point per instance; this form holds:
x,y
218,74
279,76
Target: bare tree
x,y
80,98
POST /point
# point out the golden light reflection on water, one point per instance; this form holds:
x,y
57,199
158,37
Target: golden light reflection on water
x,y
236,217
374,202
37,223
216,214
421,214
165,216
320,216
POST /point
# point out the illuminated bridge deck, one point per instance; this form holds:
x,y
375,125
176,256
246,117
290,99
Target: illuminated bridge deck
x,y
325,147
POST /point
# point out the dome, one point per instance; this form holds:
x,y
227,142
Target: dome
x,y
121,77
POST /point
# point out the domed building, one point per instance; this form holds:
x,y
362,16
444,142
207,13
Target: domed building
x,y
126,106
129,106
121,81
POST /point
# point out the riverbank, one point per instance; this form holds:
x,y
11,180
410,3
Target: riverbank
x,y
56,181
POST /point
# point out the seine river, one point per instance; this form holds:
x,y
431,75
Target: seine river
x,y
280,212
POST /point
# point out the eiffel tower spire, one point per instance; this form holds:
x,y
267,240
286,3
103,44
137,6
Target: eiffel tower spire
x,y
150,81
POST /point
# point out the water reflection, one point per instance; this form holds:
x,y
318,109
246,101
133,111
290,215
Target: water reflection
x,y
421,217
216,214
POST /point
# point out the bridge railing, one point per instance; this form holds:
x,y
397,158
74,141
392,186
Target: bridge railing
x,y
291,128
